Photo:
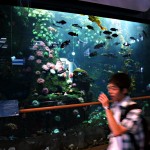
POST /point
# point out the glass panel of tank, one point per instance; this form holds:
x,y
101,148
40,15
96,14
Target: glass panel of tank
x,y
52,58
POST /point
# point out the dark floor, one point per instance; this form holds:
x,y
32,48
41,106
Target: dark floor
x,y
102,147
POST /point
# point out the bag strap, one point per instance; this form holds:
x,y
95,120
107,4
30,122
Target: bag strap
x,y
127,109
123,115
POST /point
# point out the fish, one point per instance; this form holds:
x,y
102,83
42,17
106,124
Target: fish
x,y
56,25
126,44
110,55
83,42
90,27
54,45
107,32
61,22
65,43
52,29
37,45
145,33
131,71
114,35
72,33
92,54
76,25
99,45
113,29
109,71
126,55
108,37
133,38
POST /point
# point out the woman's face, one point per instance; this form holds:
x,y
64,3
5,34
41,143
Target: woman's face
x,y
115,93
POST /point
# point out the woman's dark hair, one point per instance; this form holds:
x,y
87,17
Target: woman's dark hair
x,y
122,80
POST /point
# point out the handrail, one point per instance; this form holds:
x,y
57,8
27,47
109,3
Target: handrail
x,y
71,105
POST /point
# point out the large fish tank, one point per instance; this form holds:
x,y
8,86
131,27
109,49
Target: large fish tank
x,y
53,65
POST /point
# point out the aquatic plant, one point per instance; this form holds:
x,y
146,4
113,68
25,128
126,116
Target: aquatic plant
x,y
96,118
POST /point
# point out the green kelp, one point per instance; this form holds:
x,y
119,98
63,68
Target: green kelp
x,y
97,21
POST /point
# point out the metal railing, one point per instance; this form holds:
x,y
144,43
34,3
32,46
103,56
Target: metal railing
x,y
28,110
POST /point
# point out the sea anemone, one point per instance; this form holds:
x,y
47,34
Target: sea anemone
x,y
39,53
37,72
45,67
40,80
45,91
38,61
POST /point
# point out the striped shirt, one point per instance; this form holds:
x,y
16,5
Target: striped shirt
x,y
132,122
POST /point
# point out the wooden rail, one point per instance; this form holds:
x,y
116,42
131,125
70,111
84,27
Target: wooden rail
x,y
72,105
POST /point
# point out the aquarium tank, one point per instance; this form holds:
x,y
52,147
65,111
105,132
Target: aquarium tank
x,y
54,59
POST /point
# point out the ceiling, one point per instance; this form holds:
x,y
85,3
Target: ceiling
x,y
138,5
133,10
